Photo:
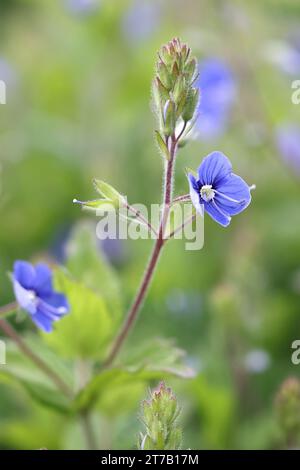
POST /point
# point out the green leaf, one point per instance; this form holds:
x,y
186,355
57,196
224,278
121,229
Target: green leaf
x,y
189,170
159,356
156,360
170,120
111,382
21,372
110,193
88,265
162,145
190,104
86,330
96,204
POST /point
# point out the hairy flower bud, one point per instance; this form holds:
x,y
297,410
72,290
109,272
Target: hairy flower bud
x,y
190,104
287,405
169,118
174,94
159,414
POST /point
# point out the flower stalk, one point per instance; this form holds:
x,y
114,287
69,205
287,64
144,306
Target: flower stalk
x,y
175,101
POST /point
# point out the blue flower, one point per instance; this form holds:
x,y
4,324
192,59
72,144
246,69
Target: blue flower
x,y
83,7
140,20
218,190
34,293
217,93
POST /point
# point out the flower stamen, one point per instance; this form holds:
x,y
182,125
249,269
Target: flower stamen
x,y
207,192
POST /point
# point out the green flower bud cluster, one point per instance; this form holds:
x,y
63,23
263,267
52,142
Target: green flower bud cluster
x,y
159,414
288,410
175,98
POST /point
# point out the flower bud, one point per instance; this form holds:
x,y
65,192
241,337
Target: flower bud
x,y
190,104
164,75
163,92
109,193
179,88
287,405
169,118
174,87
159,414
190,69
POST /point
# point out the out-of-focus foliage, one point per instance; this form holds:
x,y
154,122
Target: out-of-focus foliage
x,y
78,78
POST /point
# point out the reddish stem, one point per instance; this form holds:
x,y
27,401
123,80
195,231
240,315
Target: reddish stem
x,y
134,310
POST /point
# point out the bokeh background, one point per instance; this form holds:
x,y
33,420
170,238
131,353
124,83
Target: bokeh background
x,y
78,76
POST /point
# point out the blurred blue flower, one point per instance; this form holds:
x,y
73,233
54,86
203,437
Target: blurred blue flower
x,y
179,301
217,94
140,20
257,361
7,73
83,7
113,249
285,55
218,190
288,143
34,293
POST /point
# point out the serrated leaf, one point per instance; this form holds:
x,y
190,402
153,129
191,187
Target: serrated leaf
x,y
155,360
20,371
87,264
86,330
159,355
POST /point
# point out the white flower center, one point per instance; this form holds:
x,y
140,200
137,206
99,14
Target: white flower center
x,y
207,193
31,295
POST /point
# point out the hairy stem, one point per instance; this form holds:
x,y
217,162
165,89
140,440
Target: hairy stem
x,y
181,227
140,217
87,428
183,198
146,280
7,309
58,382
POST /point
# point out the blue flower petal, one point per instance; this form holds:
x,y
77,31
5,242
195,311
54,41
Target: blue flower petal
x,y
43,280
194,193
25,298
59,302
42,321
232,195
216,213
214,168
24,273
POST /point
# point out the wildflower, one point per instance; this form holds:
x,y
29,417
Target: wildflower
x,y
257,361
284,54
34,293
140,21
217,91
83,7
218,190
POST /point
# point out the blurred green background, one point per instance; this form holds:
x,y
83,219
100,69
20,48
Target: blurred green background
x,y
78,76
